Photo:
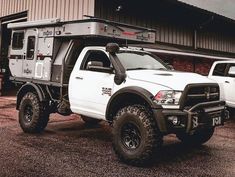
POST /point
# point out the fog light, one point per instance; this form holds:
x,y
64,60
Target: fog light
x,y
174,120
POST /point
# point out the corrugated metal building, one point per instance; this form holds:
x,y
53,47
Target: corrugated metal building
x,y
187,37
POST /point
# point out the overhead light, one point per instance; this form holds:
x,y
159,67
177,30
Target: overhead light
x,y
119,8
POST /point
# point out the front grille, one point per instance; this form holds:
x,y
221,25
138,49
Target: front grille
x,y
200,93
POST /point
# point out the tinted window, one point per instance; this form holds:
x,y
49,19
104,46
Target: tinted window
x,y
97,56
17,42
231,71
30,47
220,69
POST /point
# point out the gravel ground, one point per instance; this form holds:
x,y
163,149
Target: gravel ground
x,y
69,148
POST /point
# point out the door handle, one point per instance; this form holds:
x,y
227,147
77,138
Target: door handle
x,y
227,82
80,78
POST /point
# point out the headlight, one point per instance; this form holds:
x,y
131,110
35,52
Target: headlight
x,y
168,97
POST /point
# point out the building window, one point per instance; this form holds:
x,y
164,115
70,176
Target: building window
x,y
18,38
220,69
30,47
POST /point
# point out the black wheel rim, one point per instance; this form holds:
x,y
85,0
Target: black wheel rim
x,y
28,113
130,136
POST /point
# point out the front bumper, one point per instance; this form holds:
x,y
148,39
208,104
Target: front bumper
x,y
207,114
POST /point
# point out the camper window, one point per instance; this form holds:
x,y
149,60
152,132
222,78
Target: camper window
x,y
31,47
17,42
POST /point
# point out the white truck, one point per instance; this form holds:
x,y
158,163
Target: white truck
x,y
223,72
66,67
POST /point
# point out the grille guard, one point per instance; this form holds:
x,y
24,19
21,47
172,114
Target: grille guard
x,y
205,109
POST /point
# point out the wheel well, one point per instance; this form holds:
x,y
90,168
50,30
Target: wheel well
x,y
123,100
29,88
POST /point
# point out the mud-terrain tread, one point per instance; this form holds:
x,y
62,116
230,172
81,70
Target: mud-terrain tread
x,y
154,140
40,115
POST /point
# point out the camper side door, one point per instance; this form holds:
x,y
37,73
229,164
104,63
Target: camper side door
x,y
17,53
31,39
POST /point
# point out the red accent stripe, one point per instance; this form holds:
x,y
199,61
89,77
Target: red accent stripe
x,y
128,33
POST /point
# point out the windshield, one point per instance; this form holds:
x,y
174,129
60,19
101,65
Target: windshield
x,y
140,60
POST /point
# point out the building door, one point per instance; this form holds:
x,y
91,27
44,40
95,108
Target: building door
x,y
5,40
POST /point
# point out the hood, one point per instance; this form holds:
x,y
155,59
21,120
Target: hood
x,y
174,80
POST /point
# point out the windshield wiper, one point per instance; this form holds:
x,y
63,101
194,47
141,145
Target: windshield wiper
x,y
140,68
162,69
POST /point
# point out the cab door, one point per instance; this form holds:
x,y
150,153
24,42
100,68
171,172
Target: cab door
x,y
31,38
218,75
226,82
91,90
229,86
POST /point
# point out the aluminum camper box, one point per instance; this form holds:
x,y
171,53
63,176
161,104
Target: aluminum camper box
x,y
45,51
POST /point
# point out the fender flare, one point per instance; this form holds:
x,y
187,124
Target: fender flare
x,y
27,88
141,92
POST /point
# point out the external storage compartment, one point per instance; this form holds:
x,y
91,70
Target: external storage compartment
x,y
44,58
67,55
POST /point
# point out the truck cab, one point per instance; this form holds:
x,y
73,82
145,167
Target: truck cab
x,y
223,72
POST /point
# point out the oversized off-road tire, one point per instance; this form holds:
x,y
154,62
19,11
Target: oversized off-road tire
x,y
90,121
33,116
199,137
135,135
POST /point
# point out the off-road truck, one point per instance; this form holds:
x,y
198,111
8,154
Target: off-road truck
x,y
66,67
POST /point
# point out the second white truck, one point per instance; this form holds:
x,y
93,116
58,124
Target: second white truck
x,y
63,70
223,72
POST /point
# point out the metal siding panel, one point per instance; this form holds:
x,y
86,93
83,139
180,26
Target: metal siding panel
x,y
80,9
58,9
21,5
54,8
43,9
9,10
71,10
32,6
4,7
37,9
15,6
48,9
63,9
7,7
66,10
91,7
85,7
32,9
51,8
1,7
19,8
76,9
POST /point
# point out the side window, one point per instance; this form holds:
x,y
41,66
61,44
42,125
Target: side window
x,y
18,40
30,48
220,69
96,56
231,70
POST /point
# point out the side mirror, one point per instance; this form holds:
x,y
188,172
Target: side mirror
x,y
98,66
231,71
171,67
